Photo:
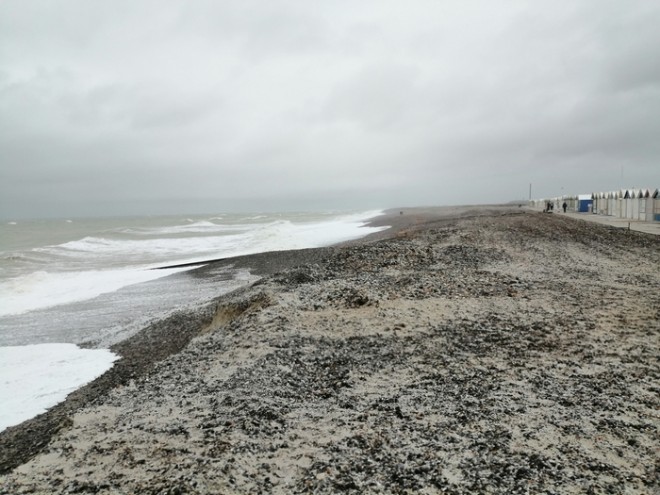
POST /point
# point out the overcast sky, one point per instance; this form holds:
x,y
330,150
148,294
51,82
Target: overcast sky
x,y
132,107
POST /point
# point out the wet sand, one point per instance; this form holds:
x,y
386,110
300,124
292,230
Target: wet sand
x,y
466,350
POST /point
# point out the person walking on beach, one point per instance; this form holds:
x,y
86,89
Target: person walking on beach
x,y
564,206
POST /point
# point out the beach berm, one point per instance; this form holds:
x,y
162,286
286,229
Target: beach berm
x,y
465,350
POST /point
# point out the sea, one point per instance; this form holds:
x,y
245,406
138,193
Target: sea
x,y
72,287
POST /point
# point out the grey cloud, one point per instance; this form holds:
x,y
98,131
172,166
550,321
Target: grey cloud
x,y
226,105
376,97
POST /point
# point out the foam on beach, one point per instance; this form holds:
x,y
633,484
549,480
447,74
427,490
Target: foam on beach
x,y
36,377
44,289
84,268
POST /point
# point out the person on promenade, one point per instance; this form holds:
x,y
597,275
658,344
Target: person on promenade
x,y
564,206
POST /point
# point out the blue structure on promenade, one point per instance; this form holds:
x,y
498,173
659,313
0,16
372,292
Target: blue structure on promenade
x,y
585,203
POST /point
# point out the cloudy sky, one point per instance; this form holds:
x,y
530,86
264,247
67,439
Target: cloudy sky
x,y
121,107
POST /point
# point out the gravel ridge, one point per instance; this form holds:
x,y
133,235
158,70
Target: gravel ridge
x,y
507,352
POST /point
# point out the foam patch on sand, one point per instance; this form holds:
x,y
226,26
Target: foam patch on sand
x,y
34,378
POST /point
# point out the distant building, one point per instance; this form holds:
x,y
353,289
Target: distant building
x,y
634,204
585,203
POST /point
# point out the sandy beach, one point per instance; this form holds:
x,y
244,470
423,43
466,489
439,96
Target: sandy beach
x,y
465,350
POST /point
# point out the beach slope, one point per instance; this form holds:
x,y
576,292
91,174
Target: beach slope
x,y
483,351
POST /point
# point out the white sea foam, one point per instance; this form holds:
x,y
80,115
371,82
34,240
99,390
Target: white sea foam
x,y
235,239
43,289
98,264
34,378
202,227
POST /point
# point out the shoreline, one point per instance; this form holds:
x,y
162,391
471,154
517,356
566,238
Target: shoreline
x,y
21,442
349,316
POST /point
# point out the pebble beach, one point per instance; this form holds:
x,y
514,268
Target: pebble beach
x,y
464,350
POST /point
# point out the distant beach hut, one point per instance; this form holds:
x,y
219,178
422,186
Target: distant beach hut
x,y
612,203
637,204
655,208
621,204
584,203
605,202
645,206
594,202
600,203
632,205
641,204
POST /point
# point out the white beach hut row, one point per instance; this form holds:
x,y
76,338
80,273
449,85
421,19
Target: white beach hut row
x,y
633,204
